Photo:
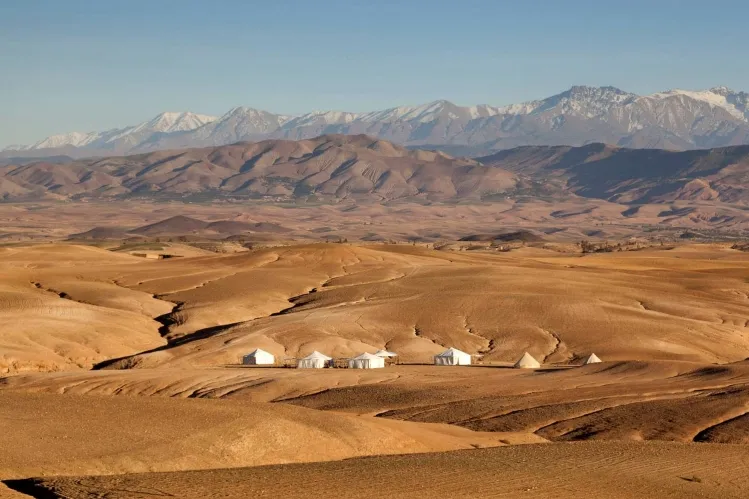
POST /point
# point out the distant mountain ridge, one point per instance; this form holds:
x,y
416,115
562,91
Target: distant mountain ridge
x,y
180,225
675,119
359,168
121,139
331,167
635,176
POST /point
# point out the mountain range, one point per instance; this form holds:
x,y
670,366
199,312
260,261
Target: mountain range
x,y
332,168
675,120
634,176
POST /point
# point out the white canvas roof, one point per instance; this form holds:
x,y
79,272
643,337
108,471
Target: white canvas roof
x,y
527,362
367,356
385,353
592,359
452,352
317,355
258,351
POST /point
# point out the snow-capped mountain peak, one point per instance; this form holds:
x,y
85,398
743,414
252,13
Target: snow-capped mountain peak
x,y
716,97
579,100
239,123
15,147
320,118
672,119
429,112
238,111
168,122
75,139
424,113
177,122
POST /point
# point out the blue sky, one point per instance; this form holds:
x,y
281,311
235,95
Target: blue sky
x,y
92,64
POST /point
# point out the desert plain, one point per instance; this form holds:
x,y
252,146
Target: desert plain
x,y
121,375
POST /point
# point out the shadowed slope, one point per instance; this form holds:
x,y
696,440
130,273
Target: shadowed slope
x,y
68,434
560,471
417,302
677,401
685,304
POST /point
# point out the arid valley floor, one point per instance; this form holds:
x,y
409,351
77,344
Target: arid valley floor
x,y
120,376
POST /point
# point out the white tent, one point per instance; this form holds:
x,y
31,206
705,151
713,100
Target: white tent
x,y
315,360
385,354
366,361
452,357
258,357
527,362
592,359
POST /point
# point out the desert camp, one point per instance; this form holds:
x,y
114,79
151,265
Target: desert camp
x,y
374,250
434,399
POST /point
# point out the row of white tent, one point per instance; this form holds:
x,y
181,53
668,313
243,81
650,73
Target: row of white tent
x,y
317,360
455,357
450,357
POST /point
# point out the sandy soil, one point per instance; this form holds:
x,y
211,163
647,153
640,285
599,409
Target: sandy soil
x,y
670,325
64,435
607,471
666,400
562,219
688,303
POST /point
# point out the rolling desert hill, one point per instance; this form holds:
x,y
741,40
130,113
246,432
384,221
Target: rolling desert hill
x,y
558,308
182,225
328,167
205,311
689,402
210,434
613,470
92,336
553,188
636,176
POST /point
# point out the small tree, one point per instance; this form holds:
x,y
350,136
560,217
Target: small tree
x,y
586,246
